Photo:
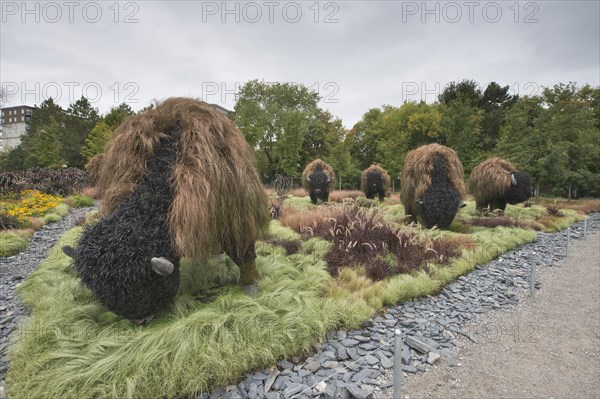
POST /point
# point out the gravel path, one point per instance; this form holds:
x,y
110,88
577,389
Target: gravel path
x,y
359,363
545,348
14,269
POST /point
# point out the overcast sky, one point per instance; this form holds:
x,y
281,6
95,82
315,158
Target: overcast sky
x,y
357,54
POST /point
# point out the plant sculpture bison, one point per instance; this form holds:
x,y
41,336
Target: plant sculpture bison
x,y
375,181
496,182
432,185
178,180
318,179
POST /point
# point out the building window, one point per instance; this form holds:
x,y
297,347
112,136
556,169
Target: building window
x,y
22,119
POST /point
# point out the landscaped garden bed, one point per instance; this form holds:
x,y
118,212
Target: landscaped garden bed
x,y
323,267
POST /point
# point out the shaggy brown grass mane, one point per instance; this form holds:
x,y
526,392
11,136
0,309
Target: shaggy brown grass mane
x,y
386,177
490,179
92,167
418,168
209,205
310,168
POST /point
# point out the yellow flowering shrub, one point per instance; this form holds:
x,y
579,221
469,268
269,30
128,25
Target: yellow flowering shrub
x,y
32,204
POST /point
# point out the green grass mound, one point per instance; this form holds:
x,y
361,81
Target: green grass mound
x,y
79,201
11,243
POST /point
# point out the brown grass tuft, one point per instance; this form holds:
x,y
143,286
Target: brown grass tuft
x,y
93,167
291,246
299,192
91,192
344,195
585,206
503,221
37,223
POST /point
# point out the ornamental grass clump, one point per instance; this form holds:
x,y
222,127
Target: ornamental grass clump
x,y
362,237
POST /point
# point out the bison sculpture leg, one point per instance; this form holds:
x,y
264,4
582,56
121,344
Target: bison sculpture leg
x,y
409,214
481,205
246,261
498,203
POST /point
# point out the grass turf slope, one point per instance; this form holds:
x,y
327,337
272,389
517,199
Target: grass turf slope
x,y
72,347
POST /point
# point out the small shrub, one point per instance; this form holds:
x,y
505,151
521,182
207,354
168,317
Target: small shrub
x,y
61,209
37,223
527,204
291,246
299,192
91,192
11,243
495,221
63,182
80,201
585,206
393,199
343,195
8,221
275,208
553,210
52,218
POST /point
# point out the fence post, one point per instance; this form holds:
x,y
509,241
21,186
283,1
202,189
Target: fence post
x,y
532,281
397,364
585,227
568,239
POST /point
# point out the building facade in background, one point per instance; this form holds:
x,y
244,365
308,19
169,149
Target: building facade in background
x,y
15,122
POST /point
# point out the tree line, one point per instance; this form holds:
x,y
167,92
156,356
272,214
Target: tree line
x,y
553,136
58,137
